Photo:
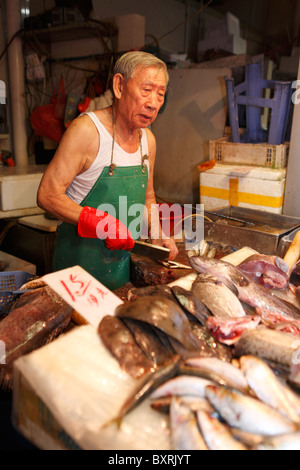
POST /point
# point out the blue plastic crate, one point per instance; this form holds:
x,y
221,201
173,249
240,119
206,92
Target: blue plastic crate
x,y
9,282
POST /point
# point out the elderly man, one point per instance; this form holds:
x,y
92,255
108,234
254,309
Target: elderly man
x,y
104,157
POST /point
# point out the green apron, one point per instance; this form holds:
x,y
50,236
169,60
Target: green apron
x,y
111,268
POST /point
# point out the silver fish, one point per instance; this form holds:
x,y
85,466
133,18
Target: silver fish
x,y
195,403
220,371
217,297
273,346
182,385
248,413
216,435
248,291
266,385
283,442
185,434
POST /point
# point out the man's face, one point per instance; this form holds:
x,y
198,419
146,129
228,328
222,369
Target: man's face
x,y
143,95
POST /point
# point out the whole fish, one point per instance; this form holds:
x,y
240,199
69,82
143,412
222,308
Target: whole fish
x,y
217,297
283,442
192,303
217,436
267,387
145,386
248,291
273,346
182,385
119,341
37,318
185,434
228,330
220,371
248,413
162,313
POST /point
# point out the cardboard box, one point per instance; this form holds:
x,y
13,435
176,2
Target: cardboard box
x,y
243,186
34,420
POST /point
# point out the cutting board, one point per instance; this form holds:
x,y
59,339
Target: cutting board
x,y
39,222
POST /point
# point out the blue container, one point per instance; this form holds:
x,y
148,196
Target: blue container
x,y
11,281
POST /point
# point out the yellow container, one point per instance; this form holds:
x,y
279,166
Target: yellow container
x,y
243,186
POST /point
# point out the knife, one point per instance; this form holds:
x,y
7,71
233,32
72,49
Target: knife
x,y
151,251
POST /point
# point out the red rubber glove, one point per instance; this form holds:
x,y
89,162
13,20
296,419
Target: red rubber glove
x,y
94,223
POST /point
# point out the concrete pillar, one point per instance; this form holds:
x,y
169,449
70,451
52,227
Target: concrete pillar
x,y
16,84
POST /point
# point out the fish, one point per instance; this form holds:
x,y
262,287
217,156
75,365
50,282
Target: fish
x,y
267,270
248,292
119,340
150,343
217,297
191,303
211,347
185,434
248,413
216,435
144,387
277,348
266,386
164,314
282,442
220,372
161,290
162,404
228,330
37,318
182,385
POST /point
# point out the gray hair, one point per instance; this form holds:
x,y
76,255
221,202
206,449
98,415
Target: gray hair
x,y
127,64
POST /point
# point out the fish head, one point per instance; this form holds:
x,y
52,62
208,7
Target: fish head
x,y
225,272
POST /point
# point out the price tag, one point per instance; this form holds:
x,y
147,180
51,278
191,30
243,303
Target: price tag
x,y
89,298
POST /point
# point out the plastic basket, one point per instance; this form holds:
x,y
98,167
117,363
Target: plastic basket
x,y
10,281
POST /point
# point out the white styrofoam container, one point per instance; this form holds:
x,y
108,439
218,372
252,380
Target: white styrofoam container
x,y
230,42
18,186
243,186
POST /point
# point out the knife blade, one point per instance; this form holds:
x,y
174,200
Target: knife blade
x,y
151,251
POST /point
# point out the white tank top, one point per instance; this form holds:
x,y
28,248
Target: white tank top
x,y
82,184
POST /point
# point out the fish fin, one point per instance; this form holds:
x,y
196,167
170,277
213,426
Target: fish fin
x,y
116,420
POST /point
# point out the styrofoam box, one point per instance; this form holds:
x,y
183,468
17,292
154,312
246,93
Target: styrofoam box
x,y
243,186
230,42
225,151
18,186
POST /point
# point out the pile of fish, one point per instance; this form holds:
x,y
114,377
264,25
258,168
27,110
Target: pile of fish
x,y
182,343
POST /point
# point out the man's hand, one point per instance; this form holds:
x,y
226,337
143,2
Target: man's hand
x,y
167,243
94,223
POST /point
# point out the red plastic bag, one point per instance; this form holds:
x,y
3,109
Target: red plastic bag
x,y
48,120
